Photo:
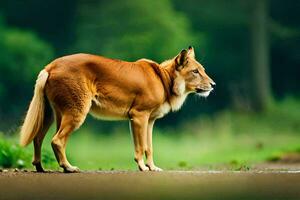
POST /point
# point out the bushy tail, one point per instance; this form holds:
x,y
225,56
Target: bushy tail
x,y
33,122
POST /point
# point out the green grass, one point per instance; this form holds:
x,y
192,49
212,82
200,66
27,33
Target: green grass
x,y
11,155
231,139
14,156
176,152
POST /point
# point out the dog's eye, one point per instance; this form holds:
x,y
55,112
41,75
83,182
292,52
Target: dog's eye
x,y
195,71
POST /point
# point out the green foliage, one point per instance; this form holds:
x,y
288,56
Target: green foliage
x,y
134,29
282,117
22,56
14,156
11,155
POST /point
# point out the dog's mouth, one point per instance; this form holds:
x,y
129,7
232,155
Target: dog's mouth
x,y
203,92
200,90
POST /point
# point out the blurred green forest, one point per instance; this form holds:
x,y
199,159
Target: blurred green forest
x,y
251,48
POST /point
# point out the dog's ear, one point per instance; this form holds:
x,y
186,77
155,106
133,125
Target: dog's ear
x,y
181,59
191,52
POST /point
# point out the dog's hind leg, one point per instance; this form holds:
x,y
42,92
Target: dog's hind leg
x,y
68,124
38,139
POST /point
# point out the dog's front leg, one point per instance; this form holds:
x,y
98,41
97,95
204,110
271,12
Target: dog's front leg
x,y
149,150
139,124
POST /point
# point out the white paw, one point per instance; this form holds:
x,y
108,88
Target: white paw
x,y
155,169
143,168
71,169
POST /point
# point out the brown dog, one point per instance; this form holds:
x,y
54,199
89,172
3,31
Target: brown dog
x,y
140,91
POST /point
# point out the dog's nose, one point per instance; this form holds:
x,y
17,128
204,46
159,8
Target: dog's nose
x,y
212,83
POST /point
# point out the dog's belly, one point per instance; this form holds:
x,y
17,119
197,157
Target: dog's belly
x,y
108,111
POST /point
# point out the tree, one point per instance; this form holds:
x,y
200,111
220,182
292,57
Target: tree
x,y
238,48
261,92
22,56
133,29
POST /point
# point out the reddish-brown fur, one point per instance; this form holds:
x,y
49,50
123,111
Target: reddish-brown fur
x,y
140,91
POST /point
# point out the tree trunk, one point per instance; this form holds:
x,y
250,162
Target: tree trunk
x,y
261,91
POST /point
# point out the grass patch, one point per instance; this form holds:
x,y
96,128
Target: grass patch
x,y
12,155
179,152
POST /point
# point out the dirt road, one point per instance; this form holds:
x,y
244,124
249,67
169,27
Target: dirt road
x,y
137,185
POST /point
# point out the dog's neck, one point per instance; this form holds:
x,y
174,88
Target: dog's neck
x,y
174,85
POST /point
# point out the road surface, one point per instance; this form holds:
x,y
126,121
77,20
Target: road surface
x,y
120,185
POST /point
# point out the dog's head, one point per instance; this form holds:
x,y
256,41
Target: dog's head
x,y
190,75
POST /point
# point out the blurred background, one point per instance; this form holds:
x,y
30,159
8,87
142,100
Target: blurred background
x,y
251,48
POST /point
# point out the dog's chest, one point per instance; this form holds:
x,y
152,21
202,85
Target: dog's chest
x,y
161,111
